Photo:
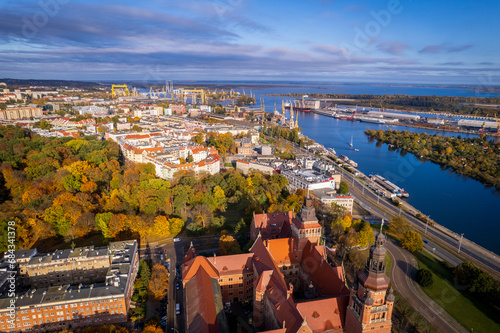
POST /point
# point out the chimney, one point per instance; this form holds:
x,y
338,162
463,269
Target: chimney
x,y
215,259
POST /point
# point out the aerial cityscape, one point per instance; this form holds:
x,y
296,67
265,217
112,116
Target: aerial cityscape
x,y
249,166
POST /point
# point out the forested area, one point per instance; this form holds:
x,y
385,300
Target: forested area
x,y
448,104
67,188
477,158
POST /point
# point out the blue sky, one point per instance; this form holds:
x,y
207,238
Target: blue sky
x,y
401,41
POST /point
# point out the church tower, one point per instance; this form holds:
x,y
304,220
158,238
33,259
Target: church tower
x,y
370,304
305,226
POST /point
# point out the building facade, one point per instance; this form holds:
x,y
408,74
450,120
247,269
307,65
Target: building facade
x,y
70,303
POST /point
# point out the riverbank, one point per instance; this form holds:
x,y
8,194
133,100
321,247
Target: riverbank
x,y
476,158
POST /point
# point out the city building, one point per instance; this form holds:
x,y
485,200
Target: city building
x,y
73,304
247,166
15,113
328,196
307,179
294,288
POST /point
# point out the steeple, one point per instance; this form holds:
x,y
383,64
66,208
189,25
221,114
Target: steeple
x,y
370,306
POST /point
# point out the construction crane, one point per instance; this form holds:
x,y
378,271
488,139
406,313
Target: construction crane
x,y
498,124
113,94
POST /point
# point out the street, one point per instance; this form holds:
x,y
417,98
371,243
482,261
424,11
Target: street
x,y
403,271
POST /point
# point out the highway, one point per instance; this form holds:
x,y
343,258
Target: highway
x,y
403,271
367,198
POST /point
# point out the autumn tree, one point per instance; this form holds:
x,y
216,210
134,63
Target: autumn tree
x,y
158,283
365,234
228,245
398,225
412,241
176,225
161,226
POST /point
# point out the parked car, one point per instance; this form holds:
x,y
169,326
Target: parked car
x,y
177,308
177,239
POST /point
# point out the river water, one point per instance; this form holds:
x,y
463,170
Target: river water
x,y
457,202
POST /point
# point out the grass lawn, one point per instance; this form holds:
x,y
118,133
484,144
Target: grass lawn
x,y
465,308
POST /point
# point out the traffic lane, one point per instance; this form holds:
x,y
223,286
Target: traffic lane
x,y
453,242
403,271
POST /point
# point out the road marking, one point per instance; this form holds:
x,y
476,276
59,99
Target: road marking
x,y
412,289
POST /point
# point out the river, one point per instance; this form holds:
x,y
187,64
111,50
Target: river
x,y
459,203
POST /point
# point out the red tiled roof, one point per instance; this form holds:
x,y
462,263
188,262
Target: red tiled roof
x,y
327,314
189,269
201,307
283,250
329,280
233,264
273,225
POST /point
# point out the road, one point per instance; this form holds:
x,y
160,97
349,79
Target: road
x,y
469,250
403,271
370,199
174,251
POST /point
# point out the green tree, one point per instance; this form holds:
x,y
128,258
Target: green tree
x,y
343,188
424,277
412,241
102,223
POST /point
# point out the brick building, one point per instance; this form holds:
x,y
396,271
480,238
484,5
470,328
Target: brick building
x,y
293,287
69,305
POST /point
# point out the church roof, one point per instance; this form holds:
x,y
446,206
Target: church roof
x,y
324,314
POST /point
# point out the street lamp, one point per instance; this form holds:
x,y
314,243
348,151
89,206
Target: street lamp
x,y
460,244
427,223
174,329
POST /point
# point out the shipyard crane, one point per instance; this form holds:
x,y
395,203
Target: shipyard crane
x,y
191,91
498,124
114,86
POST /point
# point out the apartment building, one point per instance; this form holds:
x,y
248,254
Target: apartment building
x,y
73,305
20,113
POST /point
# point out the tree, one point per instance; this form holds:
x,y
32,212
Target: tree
x,y
343,188
347,242
152,328
365,234
158,283
424,277
176,225
412,241
161,226
398,225
466,273
228,245
144,272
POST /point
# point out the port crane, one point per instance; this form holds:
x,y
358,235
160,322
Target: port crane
x,y
114,86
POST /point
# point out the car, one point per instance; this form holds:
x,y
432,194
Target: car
x,y
177,308
177,239
426,241
177,286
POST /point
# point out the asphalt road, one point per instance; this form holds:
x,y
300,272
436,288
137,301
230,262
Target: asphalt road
x,y
370,199
174,251
403,271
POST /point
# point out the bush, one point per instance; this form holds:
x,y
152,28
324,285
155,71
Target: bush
x,y
424,277
195,230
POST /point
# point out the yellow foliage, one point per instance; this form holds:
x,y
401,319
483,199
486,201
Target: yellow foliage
x,y
162,226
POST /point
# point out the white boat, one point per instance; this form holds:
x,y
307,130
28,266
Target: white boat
x,y
351,142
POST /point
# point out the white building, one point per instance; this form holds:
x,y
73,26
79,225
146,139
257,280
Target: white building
x,y
329,196
310,180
